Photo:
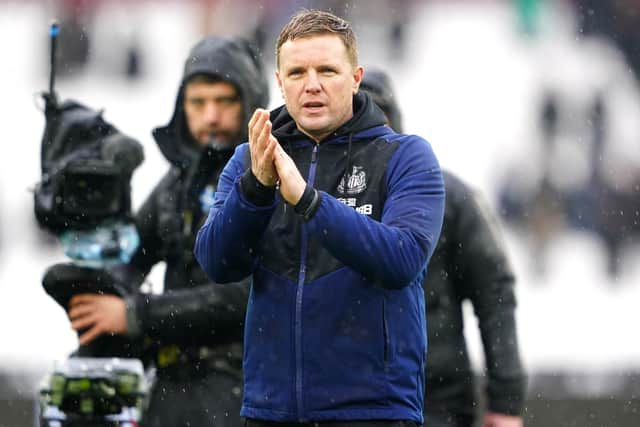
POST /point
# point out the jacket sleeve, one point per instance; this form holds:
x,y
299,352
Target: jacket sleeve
x,y
198,316
395,250
486,278
225,245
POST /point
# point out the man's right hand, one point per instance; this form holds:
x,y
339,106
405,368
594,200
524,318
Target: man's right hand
x,y
93,315
262,145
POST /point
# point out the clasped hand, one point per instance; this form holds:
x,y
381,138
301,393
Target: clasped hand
x,y
270,163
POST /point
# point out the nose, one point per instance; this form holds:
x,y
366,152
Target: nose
x,y
312,85
211,113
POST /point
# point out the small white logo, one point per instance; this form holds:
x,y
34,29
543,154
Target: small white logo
x,y
357,182
207,198
366,209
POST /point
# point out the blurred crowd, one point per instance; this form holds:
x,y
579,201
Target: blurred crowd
x,y
77,18
586,172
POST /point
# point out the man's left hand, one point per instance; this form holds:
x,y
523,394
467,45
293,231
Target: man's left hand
x,y
96,315
292,184
493,419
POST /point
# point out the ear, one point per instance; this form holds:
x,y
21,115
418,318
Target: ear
x,y
358,72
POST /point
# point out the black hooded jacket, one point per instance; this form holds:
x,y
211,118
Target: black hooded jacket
x,y
469,263
191,312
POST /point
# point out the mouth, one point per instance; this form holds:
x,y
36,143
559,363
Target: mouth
x,y
211,135
211,138
313,106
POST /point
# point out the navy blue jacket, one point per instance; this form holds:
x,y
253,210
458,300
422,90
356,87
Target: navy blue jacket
x,y
335,325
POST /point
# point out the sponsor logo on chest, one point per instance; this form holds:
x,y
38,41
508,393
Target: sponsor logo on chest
x,y
353,184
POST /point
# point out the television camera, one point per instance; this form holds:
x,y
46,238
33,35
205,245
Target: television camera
x,y
84,198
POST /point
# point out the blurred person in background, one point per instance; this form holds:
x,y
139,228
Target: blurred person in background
x,y
193,330
75,17
81,43
469,263
618,20
586,179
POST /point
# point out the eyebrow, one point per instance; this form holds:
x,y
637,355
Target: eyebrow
x,y
295,69
234,97
300,68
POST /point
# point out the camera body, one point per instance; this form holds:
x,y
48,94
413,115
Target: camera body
x,y
86,168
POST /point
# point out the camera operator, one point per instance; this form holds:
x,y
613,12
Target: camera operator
x,y
194,329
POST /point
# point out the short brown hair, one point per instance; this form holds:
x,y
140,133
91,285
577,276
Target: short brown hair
x,y
313,22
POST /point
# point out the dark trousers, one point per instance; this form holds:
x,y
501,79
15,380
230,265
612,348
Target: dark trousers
x,y
363,423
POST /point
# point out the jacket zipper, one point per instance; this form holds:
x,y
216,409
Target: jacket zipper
x,y
299,291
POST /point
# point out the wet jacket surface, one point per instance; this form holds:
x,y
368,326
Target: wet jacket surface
x,y
335,324
469,263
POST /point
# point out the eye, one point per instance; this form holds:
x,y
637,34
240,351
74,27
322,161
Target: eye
x,y
196,102
328,71
227,101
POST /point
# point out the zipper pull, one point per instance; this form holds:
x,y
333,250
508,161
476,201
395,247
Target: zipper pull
x,y
314,154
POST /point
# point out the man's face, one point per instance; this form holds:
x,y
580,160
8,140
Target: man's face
x,y
213,111
317,81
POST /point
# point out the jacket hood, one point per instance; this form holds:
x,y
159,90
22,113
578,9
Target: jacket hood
x,y
366,115
378,84
230,59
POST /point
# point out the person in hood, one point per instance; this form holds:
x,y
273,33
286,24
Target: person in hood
x,y
469,263
195,329
335,216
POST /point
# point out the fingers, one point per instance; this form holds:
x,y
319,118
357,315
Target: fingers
x,y
262,147
84,322
82,298
82,313
264,137
80,310
292,184
81,305
96,315
90,335
271,147
260,134
256,124
252,121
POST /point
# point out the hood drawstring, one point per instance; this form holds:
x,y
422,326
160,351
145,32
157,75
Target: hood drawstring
x,y
346,176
